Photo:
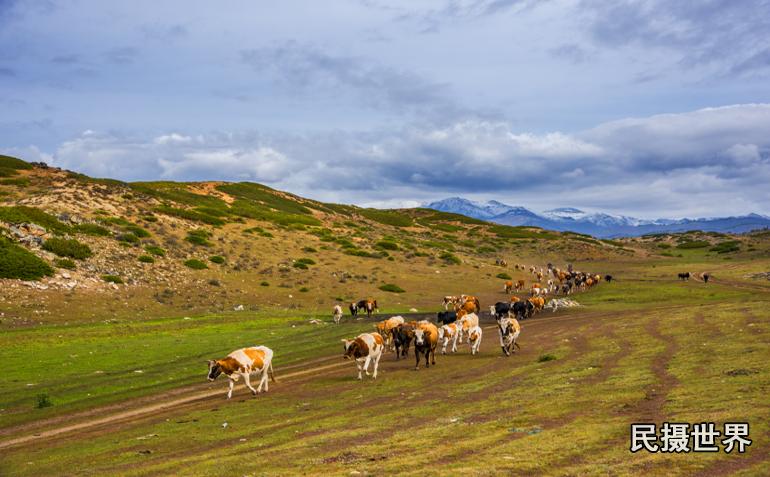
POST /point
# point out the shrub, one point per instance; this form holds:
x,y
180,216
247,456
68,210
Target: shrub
x,y
690,244
217,259
136,230
195,264
306,261
264,284
64,263
115,221
387,245
149,218
112,279
199,237
67,248
304,289
43,401
726,247
91,229
299,265
503,276
214,282
146,259
390,287
545,357
450,258
189,215
155,250
22,214
309,249
127,238
386,217
8,162
18,262
664,245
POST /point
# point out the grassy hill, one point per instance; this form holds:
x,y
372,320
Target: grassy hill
x,y
158,248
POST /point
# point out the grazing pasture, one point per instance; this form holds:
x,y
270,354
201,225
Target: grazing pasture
x,y
642,349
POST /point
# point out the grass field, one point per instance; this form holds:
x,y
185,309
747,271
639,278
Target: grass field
x,y
646,348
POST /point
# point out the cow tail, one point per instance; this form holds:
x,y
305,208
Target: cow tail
x,y
270,371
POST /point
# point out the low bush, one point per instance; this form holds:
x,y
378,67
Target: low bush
x,y
387,245
304,289
218,259
199,237
503,276
390,287
729,246
112,279
136,230
64,263
127,238
155,250
309,250
67,248
306,261
299,265
18,262
91,229
691,244
20,214
146,259
264,284
195,264
42,401
450,258
545,357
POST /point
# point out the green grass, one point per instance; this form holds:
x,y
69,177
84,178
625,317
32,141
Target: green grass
x,y
199,237
728,246
690,244
387,245
70,248
450,258
264,196
12,163
189,214
91,229
18,262
387,217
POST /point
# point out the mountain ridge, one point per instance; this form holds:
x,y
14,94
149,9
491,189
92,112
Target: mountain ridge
x,y
598,224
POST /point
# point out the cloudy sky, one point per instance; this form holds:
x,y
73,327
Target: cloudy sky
x,y
653,108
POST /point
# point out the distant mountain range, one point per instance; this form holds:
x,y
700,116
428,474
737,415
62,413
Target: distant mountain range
x,y
596,224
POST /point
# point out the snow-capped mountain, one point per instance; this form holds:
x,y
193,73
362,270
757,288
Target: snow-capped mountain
x,y
597,224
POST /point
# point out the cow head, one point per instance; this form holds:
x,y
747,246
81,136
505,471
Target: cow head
x,y
419,337
215,369
350,348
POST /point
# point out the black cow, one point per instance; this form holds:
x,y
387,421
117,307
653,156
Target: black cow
x,y
523,309
353,309
368,306
402,336
684,276
608,278
446,317
501,309
705,277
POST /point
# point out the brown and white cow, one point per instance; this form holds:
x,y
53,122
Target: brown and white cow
x,y
448,334
519,285
508,286
242,363
385,328
365,349
509,330
466,322
425,343
450,300
474,339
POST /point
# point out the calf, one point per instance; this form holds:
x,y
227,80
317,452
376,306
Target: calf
x,y
402,336
366,348
448,333
467,322
425,343
474,339
242,363
337,314
509,330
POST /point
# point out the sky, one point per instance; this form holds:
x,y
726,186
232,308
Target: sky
x,y
648,108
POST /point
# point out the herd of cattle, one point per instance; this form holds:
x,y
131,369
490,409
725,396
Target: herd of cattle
x,y
452,327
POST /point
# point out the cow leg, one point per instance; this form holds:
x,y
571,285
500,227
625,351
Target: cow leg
x,y
433,355
230,390
377,364
366,364
358,365
417,357
443,348
454,344
247,382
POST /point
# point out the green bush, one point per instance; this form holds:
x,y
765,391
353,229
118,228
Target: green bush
x,y
545,357
264,197
136,230
664,245
127,238
189,215
146,259
450,258
115,221
690,244
155,250
387,217
390,287
503,276
18,262
264,284
217,259
149,218
299,265
64,263
43,401
309,250
8,162
112,279
195,264
91,229
20,214
67,248
387,245
306,261
199,237
486,249
304,289
729,246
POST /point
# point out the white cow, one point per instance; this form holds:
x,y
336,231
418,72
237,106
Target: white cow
x,y
242,363
337,314
366,348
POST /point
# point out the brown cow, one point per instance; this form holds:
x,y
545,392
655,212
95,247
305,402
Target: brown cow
x,y
425,343
508,287
519,285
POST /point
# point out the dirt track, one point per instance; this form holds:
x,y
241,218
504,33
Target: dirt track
x,y
127,412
